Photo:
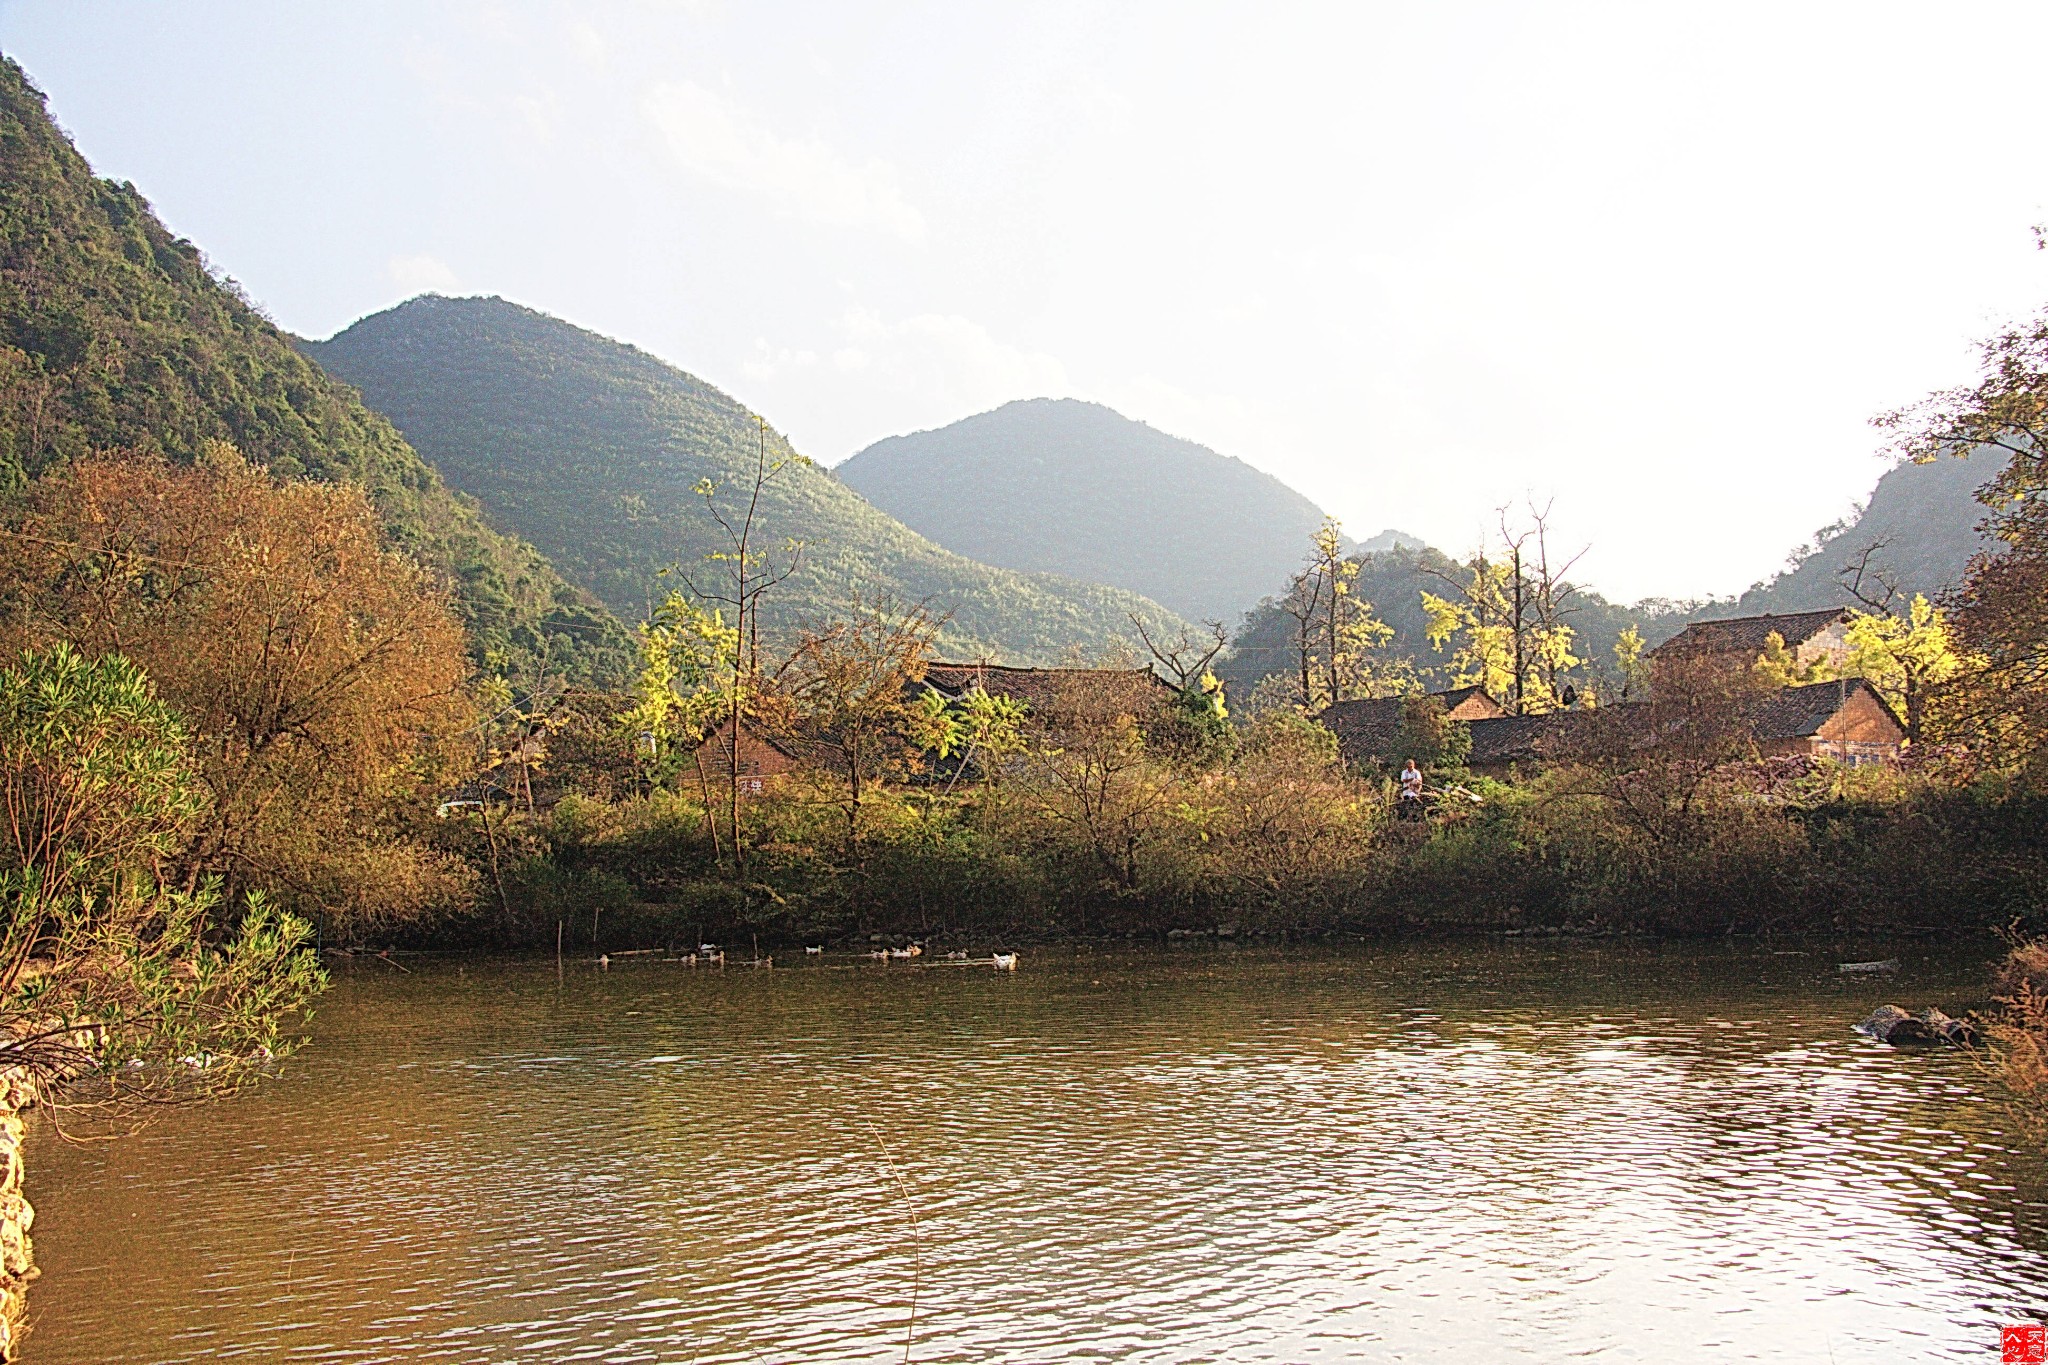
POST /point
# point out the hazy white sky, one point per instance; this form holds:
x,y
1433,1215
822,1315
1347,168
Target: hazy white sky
x,y
1659,262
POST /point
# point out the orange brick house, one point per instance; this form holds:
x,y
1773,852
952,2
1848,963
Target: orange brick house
x,y
1844,720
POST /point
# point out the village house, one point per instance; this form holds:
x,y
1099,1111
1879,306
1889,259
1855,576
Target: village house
x,y
1736,642
1043,692
1035,687
1502,745
763,759
1845,721
1369,731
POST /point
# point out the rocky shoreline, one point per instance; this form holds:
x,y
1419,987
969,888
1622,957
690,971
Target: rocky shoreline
x,y
17,1216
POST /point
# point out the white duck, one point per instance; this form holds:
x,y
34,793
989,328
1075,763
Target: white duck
x,y
1005,962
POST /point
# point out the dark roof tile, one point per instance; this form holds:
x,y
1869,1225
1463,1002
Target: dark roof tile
x,y
1749,634
1032,686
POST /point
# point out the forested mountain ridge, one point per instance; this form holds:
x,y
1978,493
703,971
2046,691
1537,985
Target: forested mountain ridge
x,y
1920,525
591,448
1073,487
114,334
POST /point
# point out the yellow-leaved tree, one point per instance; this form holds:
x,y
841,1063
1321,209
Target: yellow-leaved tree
x,y
1906,658
1780,666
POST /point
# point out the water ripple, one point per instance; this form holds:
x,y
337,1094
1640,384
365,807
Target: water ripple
x,y
1469,1154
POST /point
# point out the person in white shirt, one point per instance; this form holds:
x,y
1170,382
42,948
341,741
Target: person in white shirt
x,y
1411,788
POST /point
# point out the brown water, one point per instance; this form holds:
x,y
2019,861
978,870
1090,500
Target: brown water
x,y
1476,1153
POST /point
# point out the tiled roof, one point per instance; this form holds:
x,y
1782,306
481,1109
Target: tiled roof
x,y
1787,713
1796,712
1364,729
1520,739
1032,686
1749,634
1371,729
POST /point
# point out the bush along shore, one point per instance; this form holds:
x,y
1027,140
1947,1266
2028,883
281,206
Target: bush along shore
x,y
1278,840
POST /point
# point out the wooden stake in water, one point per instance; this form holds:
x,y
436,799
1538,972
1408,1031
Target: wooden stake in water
x,y
558,947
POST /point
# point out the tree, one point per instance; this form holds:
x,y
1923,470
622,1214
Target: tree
x,y
321,676
1999,617
1336,636
1184,659
1779,665
117,992
1656,762
1088,769
679,694
1630,664
1906,658
107,975
855,686
1510,619
1428,734
742,574
983,729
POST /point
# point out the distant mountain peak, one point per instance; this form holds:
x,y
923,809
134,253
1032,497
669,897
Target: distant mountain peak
x,y
1070,486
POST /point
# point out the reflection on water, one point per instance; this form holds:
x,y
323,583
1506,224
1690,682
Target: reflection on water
x,y
1468,1153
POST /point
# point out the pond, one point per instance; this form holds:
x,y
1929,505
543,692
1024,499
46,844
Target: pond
x,y
1469,1152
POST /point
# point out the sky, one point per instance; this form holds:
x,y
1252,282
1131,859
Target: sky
x,y
1654,266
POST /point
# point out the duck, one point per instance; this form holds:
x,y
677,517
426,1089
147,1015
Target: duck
x,y
880,954
715,957
707,948
814,952
604,960
1005,962
957,955
901,952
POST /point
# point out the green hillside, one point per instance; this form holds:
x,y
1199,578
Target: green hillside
x,y
115,334
590,448
1052,483
1923,518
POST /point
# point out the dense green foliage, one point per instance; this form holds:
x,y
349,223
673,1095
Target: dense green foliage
x,y
114,334
592,449
1062,486
103,969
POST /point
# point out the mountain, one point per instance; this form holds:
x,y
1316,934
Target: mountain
x,y
1923,518
1053,483
591,448
115,334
